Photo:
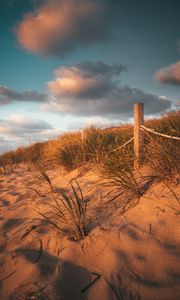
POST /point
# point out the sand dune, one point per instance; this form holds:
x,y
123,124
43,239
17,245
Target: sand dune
x,y
134,256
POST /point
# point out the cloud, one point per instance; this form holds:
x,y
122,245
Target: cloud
x,y
169,74
8,95
84,80
6,145
17,124
97,121
94,89
60,26
84,122
19,130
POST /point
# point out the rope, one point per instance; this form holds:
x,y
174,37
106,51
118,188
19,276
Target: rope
x,y
123,145
161,134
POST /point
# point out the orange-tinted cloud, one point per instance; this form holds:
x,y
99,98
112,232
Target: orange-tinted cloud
x,y
59,26
84,80
169,74
70,83
94,89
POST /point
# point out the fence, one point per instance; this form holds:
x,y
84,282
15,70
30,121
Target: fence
x,y
139,131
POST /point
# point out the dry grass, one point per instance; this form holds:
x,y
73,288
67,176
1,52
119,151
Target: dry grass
x,y
11,159
163,158
71,151
118,168
168,123
68,208
161,154
65,151
99,143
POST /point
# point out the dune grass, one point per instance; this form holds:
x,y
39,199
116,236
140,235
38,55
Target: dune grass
x,y
31,154
160,153
97,148
71,151
68,208
168,123
163,157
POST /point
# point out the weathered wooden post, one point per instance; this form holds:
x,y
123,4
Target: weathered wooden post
x,y
83,134
138,134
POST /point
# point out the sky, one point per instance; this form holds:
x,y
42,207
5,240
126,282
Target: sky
x,y
67,64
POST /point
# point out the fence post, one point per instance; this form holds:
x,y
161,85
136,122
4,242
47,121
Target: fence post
x,y
138,134
83,134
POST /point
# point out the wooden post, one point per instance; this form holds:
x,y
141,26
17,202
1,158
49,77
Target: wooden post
x,y
84,134
138,134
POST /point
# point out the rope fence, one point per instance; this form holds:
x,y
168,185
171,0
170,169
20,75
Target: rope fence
x,y
138,137
123,145
160,134
149,130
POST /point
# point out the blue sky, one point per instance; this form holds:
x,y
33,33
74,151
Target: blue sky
x,y
66,64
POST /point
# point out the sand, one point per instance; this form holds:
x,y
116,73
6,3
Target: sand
x,y
129,256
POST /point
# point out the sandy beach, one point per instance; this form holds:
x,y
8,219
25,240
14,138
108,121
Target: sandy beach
x,y
129,256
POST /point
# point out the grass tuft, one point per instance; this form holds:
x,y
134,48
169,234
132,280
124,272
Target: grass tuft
x,y
68,208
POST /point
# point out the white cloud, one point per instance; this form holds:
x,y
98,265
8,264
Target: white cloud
x,y
6,145
18,124
18,130
98,121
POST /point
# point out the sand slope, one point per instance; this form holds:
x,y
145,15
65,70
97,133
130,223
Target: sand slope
x,y
134,256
